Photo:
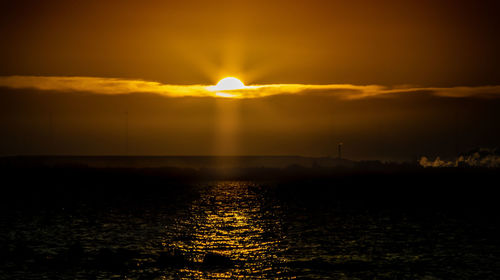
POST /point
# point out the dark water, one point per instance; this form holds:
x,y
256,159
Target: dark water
x,y
243,230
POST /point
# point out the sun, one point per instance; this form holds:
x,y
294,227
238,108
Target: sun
x,y
229,83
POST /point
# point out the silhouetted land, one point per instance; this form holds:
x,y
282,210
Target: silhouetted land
x,y
375,183
360,219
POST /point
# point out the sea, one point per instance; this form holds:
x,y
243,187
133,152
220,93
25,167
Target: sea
x,y
243,229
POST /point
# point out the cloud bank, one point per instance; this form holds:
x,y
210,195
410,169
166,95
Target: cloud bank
x,y
112,86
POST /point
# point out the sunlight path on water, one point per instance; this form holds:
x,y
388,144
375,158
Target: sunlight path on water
x,y
229,221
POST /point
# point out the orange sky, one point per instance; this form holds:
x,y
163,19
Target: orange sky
x,y
425,43
389,79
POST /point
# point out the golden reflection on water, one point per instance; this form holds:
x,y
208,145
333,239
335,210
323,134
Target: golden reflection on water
x,y
229,220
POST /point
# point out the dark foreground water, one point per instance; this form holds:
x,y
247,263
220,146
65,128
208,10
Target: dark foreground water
x,y
244,230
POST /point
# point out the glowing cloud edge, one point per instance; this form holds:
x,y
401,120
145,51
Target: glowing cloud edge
x,y
110,86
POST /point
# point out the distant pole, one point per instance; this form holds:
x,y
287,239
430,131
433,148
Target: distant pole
x,y
457,132
51,134
340,149
126,133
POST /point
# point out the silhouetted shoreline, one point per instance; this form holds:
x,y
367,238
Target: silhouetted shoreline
x,y
57,178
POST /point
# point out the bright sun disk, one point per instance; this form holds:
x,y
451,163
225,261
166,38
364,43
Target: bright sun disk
x,y
229,83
